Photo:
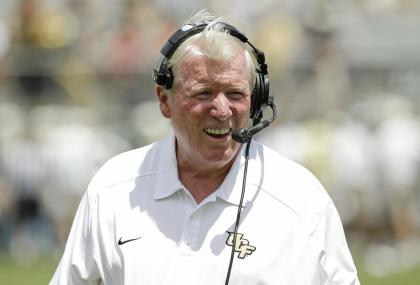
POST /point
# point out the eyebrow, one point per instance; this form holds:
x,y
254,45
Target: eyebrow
x,y
204,86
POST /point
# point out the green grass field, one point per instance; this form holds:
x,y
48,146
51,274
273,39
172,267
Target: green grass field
x,y
35,273
40,272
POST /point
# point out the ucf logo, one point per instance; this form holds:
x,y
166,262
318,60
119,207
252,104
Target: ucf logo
x,y
242,245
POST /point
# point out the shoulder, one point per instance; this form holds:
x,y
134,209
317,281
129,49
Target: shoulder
x,y
127,166
291,184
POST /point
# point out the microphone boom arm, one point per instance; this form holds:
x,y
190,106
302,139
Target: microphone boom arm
x,y
244,135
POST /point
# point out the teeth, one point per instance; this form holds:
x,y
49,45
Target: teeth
x,y
214,131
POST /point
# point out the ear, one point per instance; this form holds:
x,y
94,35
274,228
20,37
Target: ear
x,y
164,106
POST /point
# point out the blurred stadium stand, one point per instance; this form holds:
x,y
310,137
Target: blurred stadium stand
x,y
76,88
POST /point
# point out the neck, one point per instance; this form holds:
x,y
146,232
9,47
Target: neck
x,y
201,181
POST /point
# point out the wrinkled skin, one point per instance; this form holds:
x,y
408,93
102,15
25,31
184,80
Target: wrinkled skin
x,y
211,100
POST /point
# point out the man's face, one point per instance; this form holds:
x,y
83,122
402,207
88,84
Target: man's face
x,y
211,99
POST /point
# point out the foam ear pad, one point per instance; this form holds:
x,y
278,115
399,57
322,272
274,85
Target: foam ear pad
x,y
256,96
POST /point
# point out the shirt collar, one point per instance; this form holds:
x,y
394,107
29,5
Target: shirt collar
x,y
167,173
231,188
168,182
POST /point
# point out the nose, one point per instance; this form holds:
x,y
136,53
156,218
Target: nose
x,y
221,108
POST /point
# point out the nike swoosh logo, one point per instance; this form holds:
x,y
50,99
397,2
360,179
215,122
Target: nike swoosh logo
x,y
121,242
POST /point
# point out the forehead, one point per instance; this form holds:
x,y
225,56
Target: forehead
x,y
204,68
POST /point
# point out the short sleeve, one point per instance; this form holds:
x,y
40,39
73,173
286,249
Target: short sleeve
x,y
335,260
79,264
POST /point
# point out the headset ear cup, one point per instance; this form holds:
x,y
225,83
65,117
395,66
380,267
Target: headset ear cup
x,y
260,94
169,77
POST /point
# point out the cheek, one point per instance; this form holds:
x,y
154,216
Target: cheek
x,y
242,109
193,109
187,116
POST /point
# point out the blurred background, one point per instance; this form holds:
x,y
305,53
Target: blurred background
x,y
76,89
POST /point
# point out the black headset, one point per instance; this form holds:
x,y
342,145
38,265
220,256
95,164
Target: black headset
x,y
163,76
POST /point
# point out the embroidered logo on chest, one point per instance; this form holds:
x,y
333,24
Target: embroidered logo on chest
x,y
242,246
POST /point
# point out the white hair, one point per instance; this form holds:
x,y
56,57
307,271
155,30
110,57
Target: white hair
x,y
213,42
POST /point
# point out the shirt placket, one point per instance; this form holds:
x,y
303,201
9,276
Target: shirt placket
x,y
191,228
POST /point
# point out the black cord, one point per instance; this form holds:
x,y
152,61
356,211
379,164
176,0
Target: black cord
x,y
238,215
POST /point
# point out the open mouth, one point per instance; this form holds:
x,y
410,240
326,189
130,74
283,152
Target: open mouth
x,y
218,132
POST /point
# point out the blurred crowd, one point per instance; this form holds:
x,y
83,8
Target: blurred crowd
x,y
76,89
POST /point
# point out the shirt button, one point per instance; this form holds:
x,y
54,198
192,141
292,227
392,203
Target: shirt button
x,y
194,217
188,241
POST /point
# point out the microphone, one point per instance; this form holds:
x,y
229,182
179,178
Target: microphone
x,y
243,135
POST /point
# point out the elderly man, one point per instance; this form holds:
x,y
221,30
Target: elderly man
x,y
181,211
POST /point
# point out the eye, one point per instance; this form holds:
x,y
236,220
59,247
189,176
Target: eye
x,y
236,95
203,95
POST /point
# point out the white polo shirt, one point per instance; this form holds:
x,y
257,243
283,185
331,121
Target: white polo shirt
x,y
137,224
